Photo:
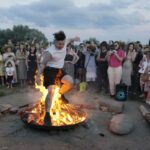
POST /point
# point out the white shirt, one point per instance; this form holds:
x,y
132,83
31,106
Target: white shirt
x,y
58,57
10,71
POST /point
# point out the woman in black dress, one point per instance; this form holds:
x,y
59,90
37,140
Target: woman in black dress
x,y
31,64
102,66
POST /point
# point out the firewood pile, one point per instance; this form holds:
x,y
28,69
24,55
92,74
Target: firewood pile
x,y
7,108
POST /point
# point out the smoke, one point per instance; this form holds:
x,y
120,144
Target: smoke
x,y
33,95
76,97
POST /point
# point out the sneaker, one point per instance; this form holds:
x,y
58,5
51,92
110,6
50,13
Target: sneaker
x,y
65,100
47,119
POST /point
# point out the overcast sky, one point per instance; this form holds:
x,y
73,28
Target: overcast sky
x,y
103,19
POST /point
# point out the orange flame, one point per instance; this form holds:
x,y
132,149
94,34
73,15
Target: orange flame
x,y
61,113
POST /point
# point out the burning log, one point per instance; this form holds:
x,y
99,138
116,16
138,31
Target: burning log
x,y
27,107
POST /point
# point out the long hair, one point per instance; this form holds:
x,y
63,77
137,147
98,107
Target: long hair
x,y
104,44
129,46
34,48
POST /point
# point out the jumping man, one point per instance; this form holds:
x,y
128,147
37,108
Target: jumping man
x,y
52,63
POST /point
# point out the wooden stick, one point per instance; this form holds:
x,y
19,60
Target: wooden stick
x,y
145,113
143,110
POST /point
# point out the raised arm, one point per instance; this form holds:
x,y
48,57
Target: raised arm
x,y
75,57
75,39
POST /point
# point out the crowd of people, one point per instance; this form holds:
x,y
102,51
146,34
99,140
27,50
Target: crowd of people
x,y
18,63
106,65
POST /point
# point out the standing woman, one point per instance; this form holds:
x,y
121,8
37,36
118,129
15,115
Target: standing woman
x,y
136,75
70,61
31,63
9,57
79,66
21,62
128,65
102,67
39,56
90,63
2,69
115,59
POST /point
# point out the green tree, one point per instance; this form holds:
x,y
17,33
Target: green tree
x,y
21,33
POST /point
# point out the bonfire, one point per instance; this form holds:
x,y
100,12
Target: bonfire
x,y
62,114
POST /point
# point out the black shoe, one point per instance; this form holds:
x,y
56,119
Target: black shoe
x,y
47,119
65,100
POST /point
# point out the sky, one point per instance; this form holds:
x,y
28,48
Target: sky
x,y
127,20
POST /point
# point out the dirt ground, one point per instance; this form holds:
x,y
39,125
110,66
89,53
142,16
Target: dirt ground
x,y
96,136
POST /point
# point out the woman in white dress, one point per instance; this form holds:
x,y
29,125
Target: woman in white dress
x,y
128,65
90,63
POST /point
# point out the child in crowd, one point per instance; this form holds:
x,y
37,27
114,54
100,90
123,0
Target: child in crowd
x,y
9,74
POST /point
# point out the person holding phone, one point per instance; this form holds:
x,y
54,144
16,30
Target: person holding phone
x,y
115,59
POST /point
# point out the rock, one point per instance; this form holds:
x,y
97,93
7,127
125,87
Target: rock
x,y
112,106
121,124
13,110
5,108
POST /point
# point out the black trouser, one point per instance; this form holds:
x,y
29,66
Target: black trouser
x,y
102,77
9,79
31,74
136,80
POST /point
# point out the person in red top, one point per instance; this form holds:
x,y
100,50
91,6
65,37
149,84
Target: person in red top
x,y
115,58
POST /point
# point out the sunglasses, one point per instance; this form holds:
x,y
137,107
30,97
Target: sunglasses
x,y
115,45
